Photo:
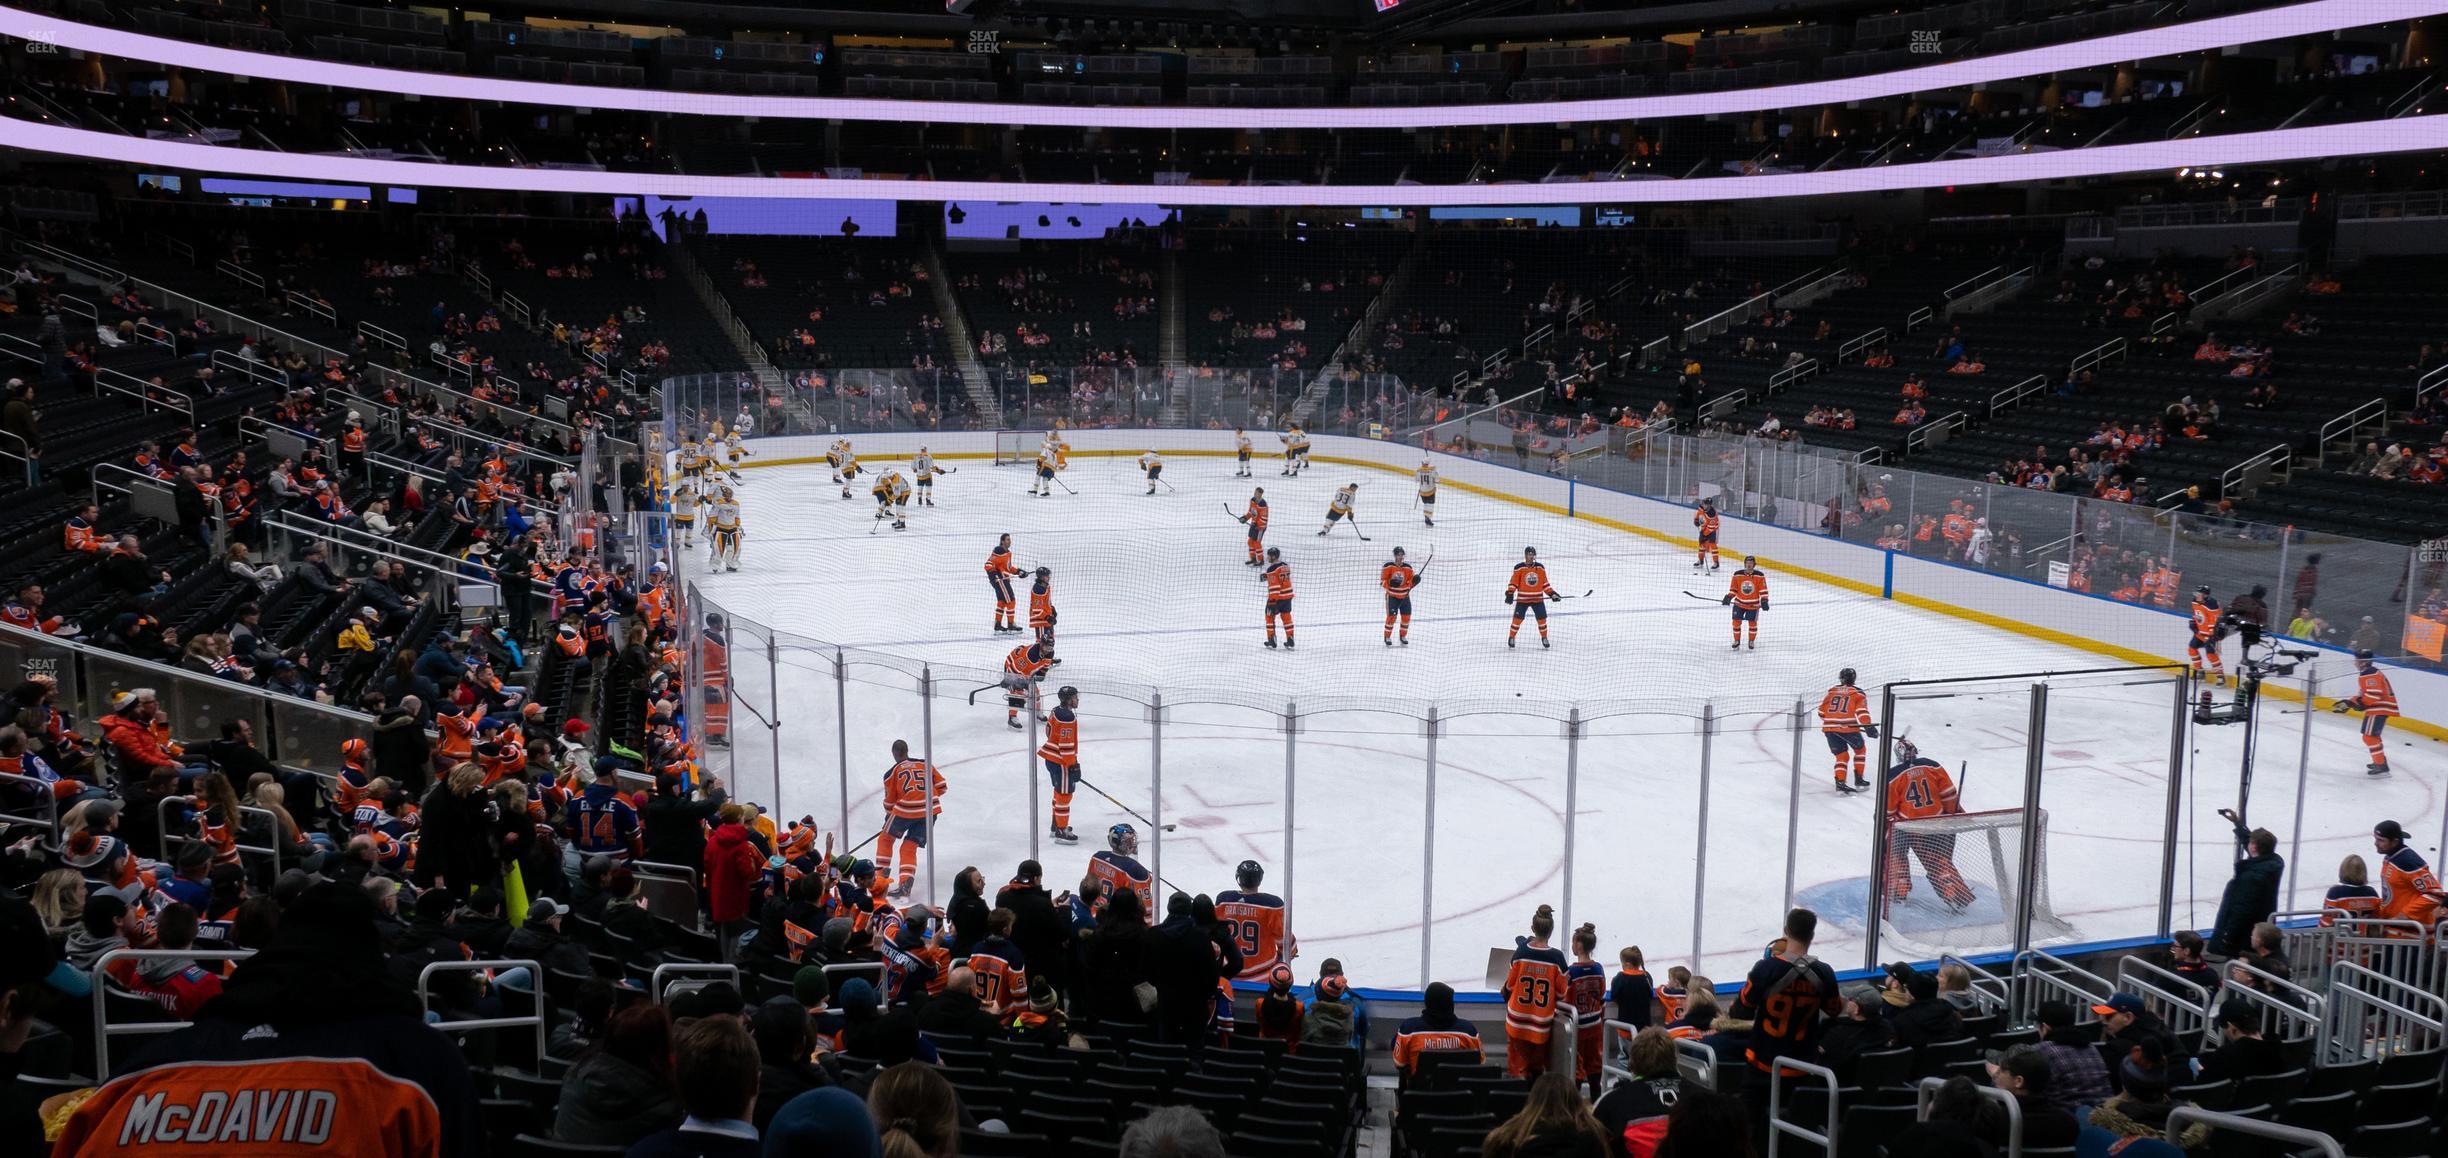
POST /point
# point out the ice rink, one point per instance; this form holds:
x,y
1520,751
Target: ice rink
x,y
1153,597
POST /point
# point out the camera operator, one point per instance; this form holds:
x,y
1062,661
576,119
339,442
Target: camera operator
x,y
2252,893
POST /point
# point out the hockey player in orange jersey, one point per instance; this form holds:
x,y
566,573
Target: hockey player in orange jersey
x,y
1278,596
2204,641
1919,788
1748,596
2378,702
1399,578
1844,718
1705,519
1528,593
913,798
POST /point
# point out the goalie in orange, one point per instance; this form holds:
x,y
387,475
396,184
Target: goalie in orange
x,y
1919,788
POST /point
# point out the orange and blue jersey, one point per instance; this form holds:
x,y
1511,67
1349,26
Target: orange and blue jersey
x,y
1419,1036
1919,789
2406,885
1706,520
1844,710
2205,618
1533,988
906,787
1257,516
2373,695
1256,921
1002,976
1062,738
1279,581
1117,872
1749,589
1529,583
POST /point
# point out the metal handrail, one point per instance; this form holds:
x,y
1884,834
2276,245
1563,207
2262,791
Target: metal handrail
x,y
2429,382
170,840
300,301
535,970
1790,376
1868,341
1651,353
654,983
254,371
2345,425
75,306
1705,328
1919,318
2154,983
148,330
2231,480
1928,1093
42,790
2356,1000
453,365
2303,1015
1991,992
2038,973
103,1029
145,392
517,308
365,542
380,336
2017,393
212,503
1733,398
2112,348
239,273
1968,284
26,350
2295,1136
1778,1127
1954,421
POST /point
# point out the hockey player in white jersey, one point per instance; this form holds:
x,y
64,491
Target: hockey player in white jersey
x,y
724,523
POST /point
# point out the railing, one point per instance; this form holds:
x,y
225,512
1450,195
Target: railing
x,y
1726,403
1937,432
77,307
1862,344
2294,1137
1928,1093
476,277
103,987
535,1020
2218,285
1968,284
381,337
290,729
2183,1005
239,273
2112,348
172,840
2014,395
1725,319
2289,1011
299,301
1919,318
1991,992
2238,481
148,330
444,573
2429,382
2346,427
41,791
669,891
2397,948
711,971
1810,288
2392,206
122,383
452,364
253,371
2045,977
154,498
1794,375
1778,1128
1988,293
517,308
2373,1014
1654,353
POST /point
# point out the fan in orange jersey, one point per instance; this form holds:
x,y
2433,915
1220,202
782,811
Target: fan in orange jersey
x,y
1061,755
2205,636
1748,596
1533,988
913,798
1844,716
1706,519
1023,670
1041,606
999,572
1528,594
1278,596
1398,578
2409,890
1919,788
2378,702
1256,518
1256,921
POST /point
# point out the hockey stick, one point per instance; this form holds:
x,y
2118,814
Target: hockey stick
x,y
1142,818
982,691
1064,485
1703,598
876,522
1584,595
1169,486
1354,520
1238,518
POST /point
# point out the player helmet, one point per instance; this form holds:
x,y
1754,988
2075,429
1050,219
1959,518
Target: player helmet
x,y
1250,874
1123,839
1068,693
1845,676
1398,552
1045,572
1906,749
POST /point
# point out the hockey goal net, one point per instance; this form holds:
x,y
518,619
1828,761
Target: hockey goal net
x,y
1017,447
1955,882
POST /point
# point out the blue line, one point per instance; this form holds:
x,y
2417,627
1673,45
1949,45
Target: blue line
x,y
1887,584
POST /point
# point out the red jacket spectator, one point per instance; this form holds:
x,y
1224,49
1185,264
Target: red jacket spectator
x,y
134,742
732,867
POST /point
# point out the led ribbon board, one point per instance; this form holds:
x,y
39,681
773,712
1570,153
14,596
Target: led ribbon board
x,y
2317,16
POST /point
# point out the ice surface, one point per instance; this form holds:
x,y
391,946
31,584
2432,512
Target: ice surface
x,y
1153,596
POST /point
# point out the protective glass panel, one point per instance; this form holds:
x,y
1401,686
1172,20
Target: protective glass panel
x,y
1225,794
1499,840
2108,738
809,780
1361,806
1636,818
883,706
1951,889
